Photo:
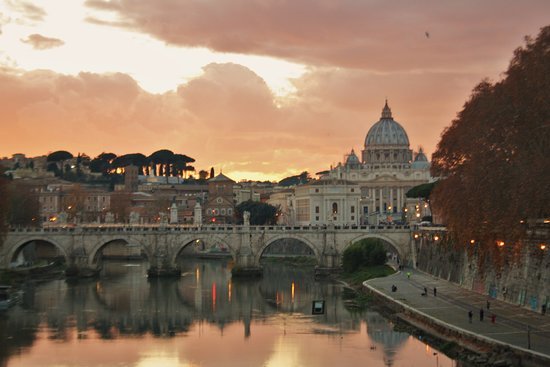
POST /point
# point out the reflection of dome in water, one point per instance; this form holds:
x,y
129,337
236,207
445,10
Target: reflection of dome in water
x,y
381,332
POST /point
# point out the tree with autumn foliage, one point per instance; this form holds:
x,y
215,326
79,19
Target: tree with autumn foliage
x,y
494,159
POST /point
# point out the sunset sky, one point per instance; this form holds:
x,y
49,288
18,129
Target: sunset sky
x,y
261,89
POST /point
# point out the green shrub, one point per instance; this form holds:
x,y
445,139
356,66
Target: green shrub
x,y
367,252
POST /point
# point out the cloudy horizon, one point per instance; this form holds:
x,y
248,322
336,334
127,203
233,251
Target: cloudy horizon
x,y
260,89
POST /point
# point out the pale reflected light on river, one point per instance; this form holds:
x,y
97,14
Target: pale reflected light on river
x,y
202,319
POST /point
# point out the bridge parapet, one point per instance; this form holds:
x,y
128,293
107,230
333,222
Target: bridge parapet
x,y
203,229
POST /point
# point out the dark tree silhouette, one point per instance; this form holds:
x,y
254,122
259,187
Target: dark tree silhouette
x,y
102,163
260,213
163,159
300,179
494,155
59,157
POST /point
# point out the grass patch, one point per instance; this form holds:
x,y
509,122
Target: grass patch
x,y
356,278
354,298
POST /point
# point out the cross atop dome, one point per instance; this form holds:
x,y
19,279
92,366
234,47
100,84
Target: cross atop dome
x,y
386,111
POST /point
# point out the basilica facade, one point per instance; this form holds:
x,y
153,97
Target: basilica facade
x,y
388,168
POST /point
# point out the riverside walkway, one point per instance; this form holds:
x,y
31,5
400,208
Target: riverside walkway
x,y
518,328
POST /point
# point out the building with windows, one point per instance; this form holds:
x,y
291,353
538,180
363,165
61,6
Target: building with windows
x,y
387,170
367,190
327,201
220,205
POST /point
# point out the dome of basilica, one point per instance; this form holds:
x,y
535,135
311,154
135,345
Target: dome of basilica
x,y
386,132
352,159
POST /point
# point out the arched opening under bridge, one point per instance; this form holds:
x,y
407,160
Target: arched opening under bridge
x,y
37,253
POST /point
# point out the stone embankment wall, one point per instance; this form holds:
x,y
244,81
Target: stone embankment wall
x,y
515,274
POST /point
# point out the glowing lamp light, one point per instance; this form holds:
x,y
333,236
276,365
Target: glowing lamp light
x,y
472,242
500,243
436,238
418,215
406,210
416,236
543,246
425,205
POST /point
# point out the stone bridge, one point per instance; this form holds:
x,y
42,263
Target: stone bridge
x,y
163,243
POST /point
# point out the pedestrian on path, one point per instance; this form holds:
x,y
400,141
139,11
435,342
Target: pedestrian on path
x,y
435,291
488,304
470,315
408,275
543,309
481,314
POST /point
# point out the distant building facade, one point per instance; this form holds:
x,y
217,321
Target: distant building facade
x,y
370,190
220,206
387,170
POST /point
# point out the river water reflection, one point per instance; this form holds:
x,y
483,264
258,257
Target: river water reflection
x,y
202,319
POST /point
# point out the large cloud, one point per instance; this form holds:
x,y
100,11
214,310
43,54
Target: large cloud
x,y
375,35
227,117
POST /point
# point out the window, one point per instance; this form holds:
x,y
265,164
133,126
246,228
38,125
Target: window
x,y
223,211
316,190
352,217
353,208
229,211
316,210
216,211
334,208
317,219
219,200
352,190
366,209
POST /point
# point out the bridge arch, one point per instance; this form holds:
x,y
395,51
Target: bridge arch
x,y
104,242
401,251
15,250
207,238
273,239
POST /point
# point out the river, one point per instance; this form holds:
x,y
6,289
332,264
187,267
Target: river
x,y
203,318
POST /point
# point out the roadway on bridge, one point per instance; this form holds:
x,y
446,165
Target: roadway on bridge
x,y
451,305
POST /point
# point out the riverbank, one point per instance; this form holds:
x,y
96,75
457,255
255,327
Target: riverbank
x,y
515,337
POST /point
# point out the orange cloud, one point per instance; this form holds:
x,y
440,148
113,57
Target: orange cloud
x,y
39,42
374,35
226,117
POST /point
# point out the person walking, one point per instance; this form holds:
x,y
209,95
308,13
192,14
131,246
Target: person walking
x,y
435,291
488,305
470,315
481,314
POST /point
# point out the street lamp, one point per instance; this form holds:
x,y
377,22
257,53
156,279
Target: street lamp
x,y
436,359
